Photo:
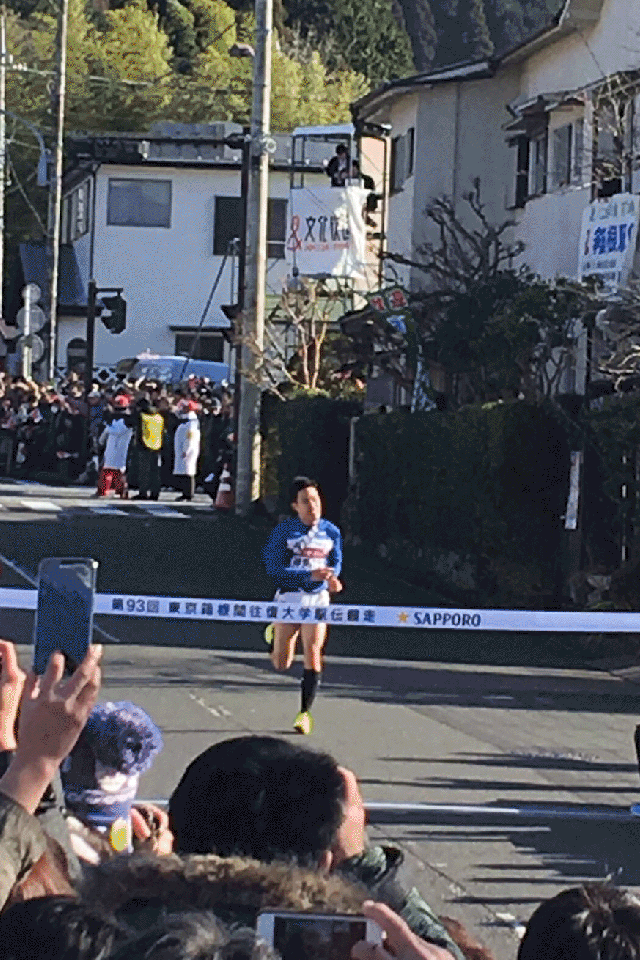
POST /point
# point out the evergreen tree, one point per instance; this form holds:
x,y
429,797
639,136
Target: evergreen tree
x,y
421,28
214,23
478,37
179,24
365,33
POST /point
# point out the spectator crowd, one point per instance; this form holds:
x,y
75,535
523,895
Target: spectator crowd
x,y
254,823
121,435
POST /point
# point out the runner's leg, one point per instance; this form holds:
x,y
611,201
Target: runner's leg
x,y
285,637
313,636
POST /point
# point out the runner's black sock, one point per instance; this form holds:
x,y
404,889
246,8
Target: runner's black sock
x,y
310,681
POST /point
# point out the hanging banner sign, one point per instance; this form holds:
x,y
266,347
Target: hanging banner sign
x,y
425,618
326,233
608,240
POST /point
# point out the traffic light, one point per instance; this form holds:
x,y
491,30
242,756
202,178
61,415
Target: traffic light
x,y
114,313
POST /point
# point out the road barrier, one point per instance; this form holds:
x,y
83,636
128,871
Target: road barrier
x,y
421,618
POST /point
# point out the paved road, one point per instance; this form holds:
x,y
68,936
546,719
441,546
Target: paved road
x,y
523,745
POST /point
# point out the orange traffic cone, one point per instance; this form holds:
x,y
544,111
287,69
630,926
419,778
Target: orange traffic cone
x,y
224,496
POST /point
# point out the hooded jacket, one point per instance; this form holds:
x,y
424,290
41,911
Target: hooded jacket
x,y
117,437
138,888
22,843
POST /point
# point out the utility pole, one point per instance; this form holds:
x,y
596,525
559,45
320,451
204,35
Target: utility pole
x,y
55,189
248,454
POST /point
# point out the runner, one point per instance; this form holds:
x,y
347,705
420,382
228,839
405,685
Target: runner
x,y
304,556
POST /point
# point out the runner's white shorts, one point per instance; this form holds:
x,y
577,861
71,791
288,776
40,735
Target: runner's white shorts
x,y
298,598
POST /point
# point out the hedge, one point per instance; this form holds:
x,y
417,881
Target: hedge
x,y
308,435
486,483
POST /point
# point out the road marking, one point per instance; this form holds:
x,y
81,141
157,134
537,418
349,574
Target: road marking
x,y
108,511
165,513
43,506
498,696
205,706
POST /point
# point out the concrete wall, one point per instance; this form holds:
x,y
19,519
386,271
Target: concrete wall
x,y
461,138
166,273
610,45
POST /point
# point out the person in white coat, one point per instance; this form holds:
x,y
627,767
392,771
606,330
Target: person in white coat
x,y
186,449
115,439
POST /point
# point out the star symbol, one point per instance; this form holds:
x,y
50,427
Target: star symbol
x,y
403,617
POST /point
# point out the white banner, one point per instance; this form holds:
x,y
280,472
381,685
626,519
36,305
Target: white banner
x,y
423,618
327,233
608,239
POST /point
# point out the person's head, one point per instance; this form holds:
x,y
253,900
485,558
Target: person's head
x,y
57,928
305,500
195,936
342,150
235,889
100,777
584,923
259,797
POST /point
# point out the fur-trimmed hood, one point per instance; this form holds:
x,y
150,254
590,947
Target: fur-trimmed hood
x,y
140,887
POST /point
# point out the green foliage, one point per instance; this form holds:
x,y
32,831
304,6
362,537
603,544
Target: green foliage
x,y
486,482
309,435
364,33
214,23
179,25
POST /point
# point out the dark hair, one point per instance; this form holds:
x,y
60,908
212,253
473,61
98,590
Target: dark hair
x,y
590,922
301,483
194,936
259,797
59,928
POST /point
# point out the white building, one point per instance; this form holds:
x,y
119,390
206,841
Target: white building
x,y
547,128
159,215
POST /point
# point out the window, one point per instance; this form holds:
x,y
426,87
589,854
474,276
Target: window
x,y
562,143
538,165
398,173
209,346
577,159
139,203
411,146
402,161
613,136
75,213
80,221
522,171
228,225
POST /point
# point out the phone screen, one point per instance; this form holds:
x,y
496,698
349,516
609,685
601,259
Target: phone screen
x,y
317,938
64,615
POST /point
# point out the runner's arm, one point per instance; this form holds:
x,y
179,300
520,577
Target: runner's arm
x,y
334,560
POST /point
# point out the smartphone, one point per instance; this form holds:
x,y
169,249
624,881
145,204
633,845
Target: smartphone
x,y
315,936
64,614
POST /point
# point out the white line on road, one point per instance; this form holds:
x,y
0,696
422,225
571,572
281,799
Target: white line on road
x,y
205,706
40,506
108,511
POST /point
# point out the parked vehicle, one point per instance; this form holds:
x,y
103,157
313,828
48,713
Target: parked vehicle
x,y
172,370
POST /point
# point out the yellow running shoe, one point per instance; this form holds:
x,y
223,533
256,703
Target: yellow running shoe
x,y
268,636
303,723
